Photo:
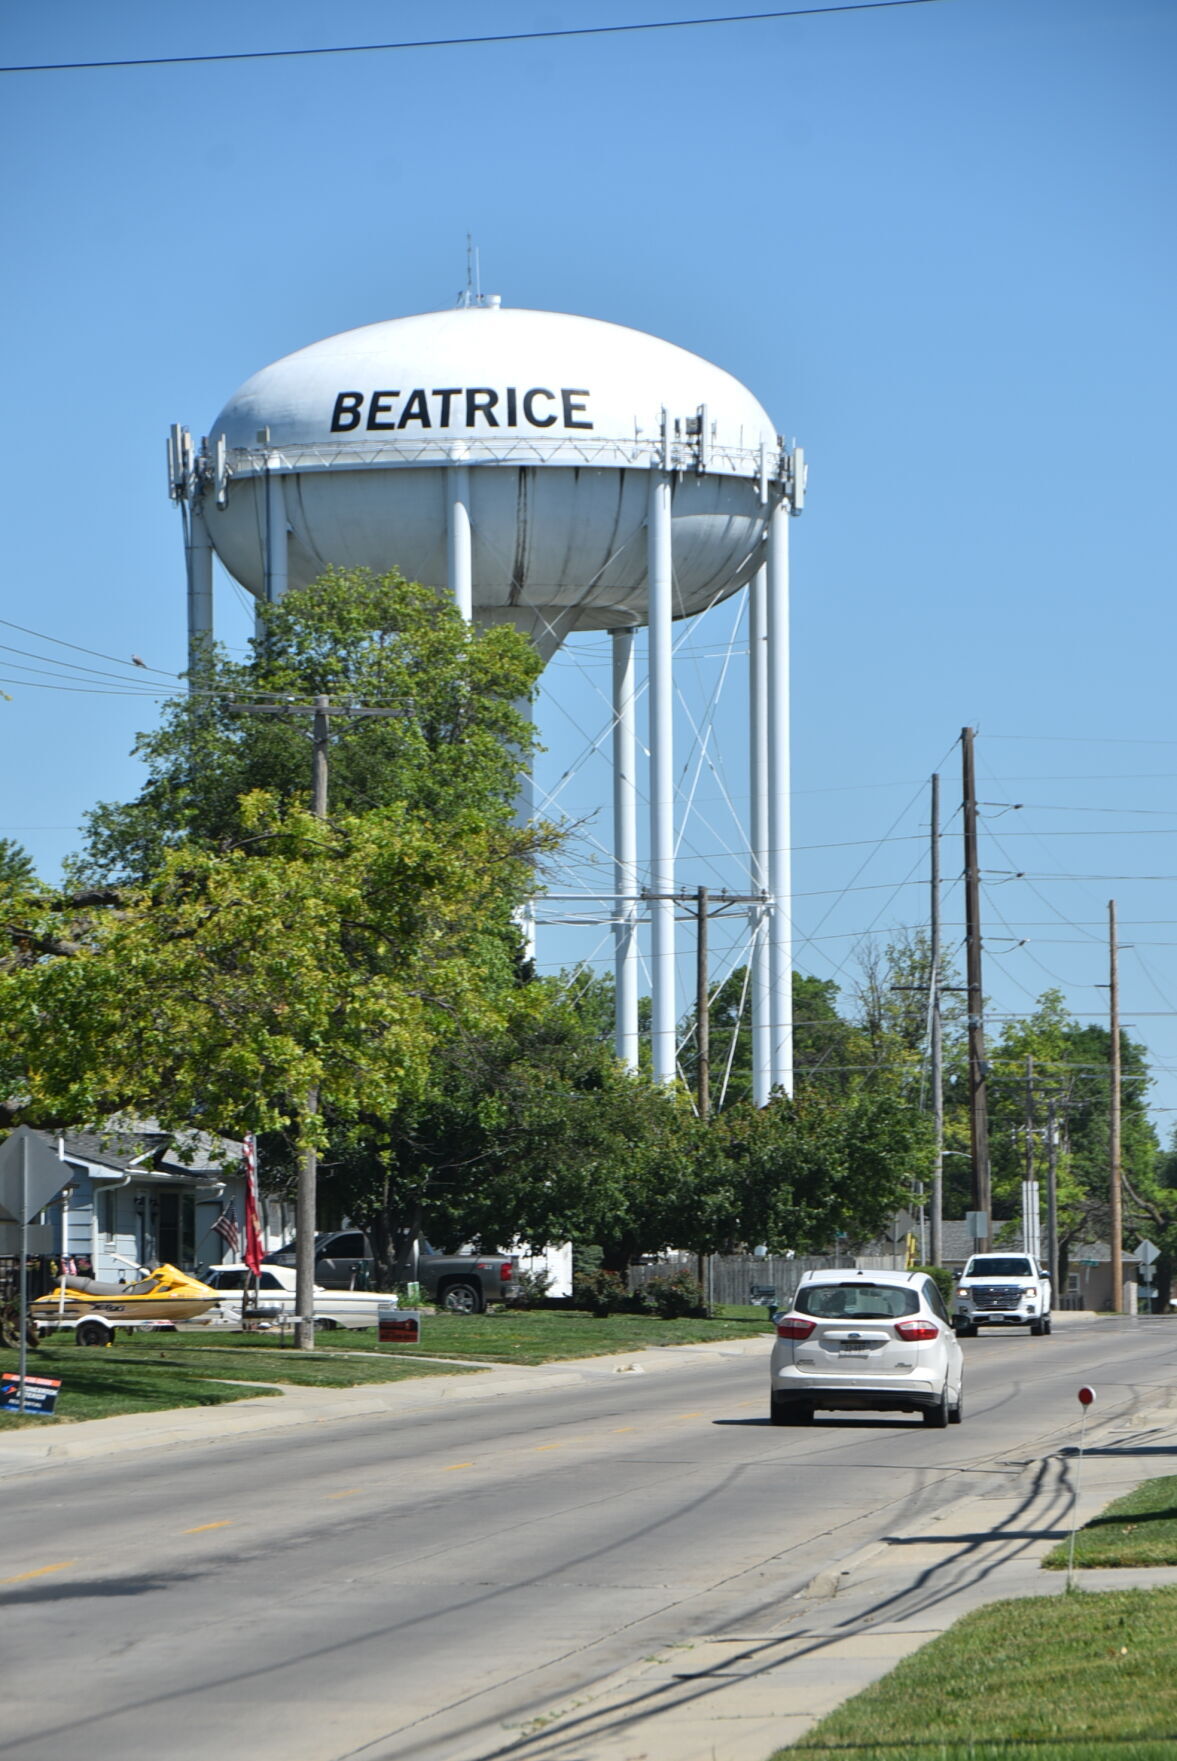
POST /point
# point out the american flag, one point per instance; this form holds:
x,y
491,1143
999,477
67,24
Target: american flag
x,y
254,1248
226,1228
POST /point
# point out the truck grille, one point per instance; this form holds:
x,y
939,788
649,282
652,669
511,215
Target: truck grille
x,y
996,1296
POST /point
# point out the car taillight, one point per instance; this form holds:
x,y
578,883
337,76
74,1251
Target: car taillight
x,y
506,1272
793,1328
917,1330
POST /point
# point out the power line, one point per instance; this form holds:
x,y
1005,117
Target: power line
x,y
94,653
590,30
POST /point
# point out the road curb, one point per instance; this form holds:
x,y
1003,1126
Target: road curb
x,y
195,1426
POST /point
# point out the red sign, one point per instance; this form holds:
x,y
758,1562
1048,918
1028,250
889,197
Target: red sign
x,y
1087,1397
399,1327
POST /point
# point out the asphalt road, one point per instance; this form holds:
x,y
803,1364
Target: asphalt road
x,y
442,1584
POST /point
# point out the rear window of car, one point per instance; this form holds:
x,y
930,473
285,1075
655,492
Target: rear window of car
x,y
858,1301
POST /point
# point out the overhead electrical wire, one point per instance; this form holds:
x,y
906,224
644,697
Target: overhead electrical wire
x,y
588,30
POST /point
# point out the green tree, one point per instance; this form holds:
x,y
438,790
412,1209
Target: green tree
x,y
456,745
221,954
1070,1064
530,1129
798,1173
17,874
333,959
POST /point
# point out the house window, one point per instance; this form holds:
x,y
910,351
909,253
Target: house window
x,y
1072,1283
106,1205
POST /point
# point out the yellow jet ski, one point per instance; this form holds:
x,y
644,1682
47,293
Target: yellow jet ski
x,y
95,1309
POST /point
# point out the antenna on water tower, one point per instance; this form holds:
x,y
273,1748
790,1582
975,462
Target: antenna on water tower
x,y
471,295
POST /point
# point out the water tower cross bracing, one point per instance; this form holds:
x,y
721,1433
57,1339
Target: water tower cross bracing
x,y
559,474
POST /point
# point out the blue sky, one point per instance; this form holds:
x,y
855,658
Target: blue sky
x,y
936,241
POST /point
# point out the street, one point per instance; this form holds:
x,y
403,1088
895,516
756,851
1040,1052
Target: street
x,y
456,1581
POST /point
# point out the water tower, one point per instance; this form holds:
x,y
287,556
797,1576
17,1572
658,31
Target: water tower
x,y
560,474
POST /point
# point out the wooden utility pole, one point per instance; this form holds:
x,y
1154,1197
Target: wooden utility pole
x,y
702,1007
306,1192
978,1094
1052,1200
937,1041
1115,1208
1031,1240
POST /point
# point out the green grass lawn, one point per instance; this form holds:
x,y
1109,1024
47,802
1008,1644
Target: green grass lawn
x,y
1139,1529
544,1336
1080,1677
152,1372
143,1372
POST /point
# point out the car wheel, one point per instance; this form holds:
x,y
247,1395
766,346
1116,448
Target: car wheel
x,y
956,1411
1037,1328
792,1412
938,1415
93,1333
326,1323
966,1330
462,1299
1046,1328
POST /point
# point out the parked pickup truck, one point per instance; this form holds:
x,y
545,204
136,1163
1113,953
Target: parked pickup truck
x,y
461,1283
1002,1290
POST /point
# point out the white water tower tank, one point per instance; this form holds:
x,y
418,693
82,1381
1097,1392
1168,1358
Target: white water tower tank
x,y
355,444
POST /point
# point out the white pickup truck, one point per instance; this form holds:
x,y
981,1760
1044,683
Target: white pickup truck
x,y
1002,1290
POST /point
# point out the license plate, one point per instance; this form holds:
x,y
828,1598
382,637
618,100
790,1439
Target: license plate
x,y
853,1351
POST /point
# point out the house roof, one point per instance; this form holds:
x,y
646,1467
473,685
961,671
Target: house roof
x,y
147,1152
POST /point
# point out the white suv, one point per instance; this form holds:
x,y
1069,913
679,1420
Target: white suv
x,y
866,1341
1003,1290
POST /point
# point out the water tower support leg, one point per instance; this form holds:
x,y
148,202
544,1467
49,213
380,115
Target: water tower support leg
x,y
460,553
625,853
779,803
200,587
276,536
758,771
524,814
661,780
276,548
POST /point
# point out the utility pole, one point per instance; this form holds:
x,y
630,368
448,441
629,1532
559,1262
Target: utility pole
x,y
1115,1209
937,1042
978,1094
306,1192
1052,1199
1031,1224
702,1007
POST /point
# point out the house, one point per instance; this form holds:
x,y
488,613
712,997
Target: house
x,y
140,1195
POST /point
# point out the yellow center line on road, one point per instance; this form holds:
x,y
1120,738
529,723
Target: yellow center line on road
x,y
353,1492
41,1572
690,1415
541,1446
620,1428
201,1527
455,1465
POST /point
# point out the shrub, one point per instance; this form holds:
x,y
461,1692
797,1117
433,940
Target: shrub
x,y
532,1288
604,1293
674,1296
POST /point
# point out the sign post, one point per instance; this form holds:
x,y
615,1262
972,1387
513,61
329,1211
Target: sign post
x,y
1087,1399
30,1175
